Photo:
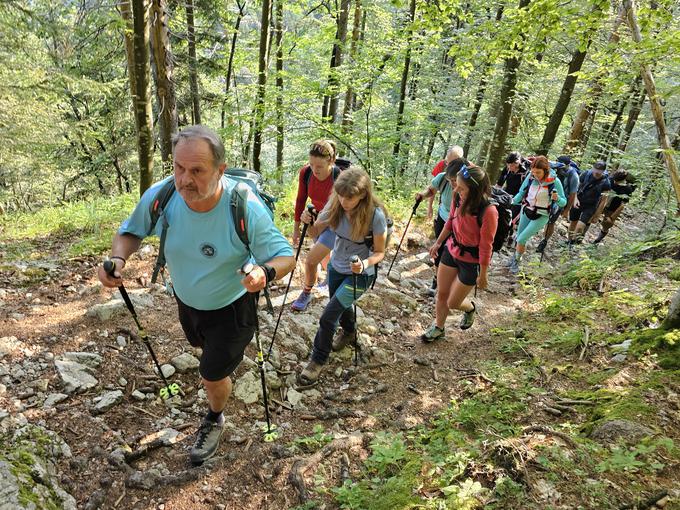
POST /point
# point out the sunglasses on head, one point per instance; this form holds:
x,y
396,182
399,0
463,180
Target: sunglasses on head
x,y
465,173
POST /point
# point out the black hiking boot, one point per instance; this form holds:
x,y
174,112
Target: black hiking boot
x,y
468,318
207,441
599,238
541,246
432,291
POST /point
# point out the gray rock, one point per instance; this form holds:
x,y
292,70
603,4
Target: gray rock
x,y
294,397
107,401
138,395
120,340
8,344
185,362
53,399
622,347
168,370
76,377
248,388
90,359
105,311
629,431
619,358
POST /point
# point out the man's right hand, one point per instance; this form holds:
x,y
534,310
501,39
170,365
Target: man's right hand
x,y
114,281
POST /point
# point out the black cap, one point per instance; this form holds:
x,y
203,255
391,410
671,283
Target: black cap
x,y
600,165
564,159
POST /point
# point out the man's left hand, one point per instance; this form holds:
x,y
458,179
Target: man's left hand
x,y
256,280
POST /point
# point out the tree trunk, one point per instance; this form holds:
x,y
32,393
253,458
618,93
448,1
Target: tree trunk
x,y
633,114
330,100
139,85
657,110
348,109
230,63
479,99
279,90
402,90
165,85
497,149
258,118
672,320
612,132
577,138
563,101
193,65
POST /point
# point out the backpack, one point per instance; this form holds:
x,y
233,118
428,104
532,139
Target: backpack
x,y
502,200
340,165
245,180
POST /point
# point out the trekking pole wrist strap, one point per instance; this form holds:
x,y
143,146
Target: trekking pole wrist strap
x,y
269,272
114,257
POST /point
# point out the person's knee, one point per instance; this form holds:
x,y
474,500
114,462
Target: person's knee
x,y
216,386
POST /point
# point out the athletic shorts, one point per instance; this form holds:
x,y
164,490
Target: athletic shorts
x,y
555,216
222,334
327,238
583,213
467,271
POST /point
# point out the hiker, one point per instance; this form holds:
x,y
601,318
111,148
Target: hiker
x,y
541,195
455,152
468,249
353,212
511,178
621,192
568,175
444,184
316,183
217,306
591,200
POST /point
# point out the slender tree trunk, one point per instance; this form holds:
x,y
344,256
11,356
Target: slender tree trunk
x,y
193,64
479,99
279,90
258,118
139,85
657,110
230,63
633,114
402,90
577,138
348,110
497,150
165,85
577,59
613,130
330,100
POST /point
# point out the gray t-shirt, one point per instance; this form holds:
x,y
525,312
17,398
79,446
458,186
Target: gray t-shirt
x,y
345,247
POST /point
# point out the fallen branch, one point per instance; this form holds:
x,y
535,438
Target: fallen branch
x,y
648,503
301,466
546,430
333,414
585,342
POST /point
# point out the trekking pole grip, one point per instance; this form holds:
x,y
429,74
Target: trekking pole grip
x,y
109,267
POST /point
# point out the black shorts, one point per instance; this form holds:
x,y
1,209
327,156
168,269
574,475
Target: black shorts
x,y
583,213
222,334
467,271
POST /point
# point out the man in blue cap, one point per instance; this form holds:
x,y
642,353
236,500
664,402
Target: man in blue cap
x,y
591,199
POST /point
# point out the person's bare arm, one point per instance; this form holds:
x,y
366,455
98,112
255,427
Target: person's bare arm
x,y
122,247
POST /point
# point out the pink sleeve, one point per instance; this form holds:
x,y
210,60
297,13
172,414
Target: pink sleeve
x,y
301,194
486,235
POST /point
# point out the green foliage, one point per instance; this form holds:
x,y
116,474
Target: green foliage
x,y
638,457
312,443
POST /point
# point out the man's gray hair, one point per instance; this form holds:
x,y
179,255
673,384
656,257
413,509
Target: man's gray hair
x,y
202,133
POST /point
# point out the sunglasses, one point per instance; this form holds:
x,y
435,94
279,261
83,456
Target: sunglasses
x,y
465,172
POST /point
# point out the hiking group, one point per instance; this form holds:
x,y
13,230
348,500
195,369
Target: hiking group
x,y
221,247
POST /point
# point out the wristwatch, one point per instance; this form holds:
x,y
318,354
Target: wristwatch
x,y
269,272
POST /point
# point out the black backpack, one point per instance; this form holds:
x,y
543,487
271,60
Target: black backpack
x,y
503,203
247,180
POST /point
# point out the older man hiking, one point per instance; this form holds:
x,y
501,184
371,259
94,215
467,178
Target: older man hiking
x,y
217,305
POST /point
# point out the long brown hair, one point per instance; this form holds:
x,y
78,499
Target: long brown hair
x,y
542,163
351,183
480,189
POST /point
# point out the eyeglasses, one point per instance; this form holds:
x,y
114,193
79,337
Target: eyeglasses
x,y
465,172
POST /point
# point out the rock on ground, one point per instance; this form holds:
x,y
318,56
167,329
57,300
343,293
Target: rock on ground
x,y
610,431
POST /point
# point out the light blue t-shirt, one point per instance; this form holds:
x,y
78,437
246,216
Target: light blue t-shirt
x,y
345,246
203,250
446,195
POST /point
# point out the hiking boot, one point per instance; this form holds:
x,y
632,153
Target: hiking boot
x,y
433,333
310,374
541,246
302,301
323,286
207,441
514,265
599,238
468,318
432,291
342,340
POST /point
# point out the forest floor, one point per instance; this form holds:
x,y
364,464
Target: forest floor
x,y
513,413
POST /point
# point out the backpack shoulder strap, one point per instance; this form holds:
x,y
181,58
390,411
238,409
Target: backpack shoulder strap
x,y
158,204
482,210
308,175
336,172
238,202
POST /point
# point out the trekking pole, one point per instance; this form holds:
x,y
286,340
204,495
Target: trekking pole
x,y
413,212
354,260
270,433
310,209
169,390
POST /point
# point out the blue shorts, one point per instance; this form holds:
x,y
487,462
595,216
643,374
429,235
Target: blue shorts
x,y
327,238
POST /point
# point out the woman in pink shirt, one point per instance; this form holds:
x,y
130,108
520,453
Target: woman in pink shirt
x,y
316,184
465,261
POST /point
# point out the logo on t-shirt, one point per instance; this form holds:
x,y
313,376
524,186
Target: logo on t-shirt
x,y
208,250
